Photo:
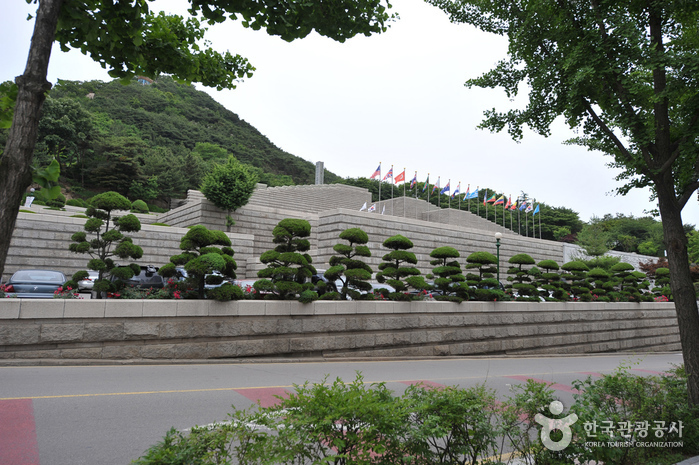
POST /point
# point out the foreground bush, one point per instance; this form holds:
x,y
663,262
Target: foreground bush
x,y
358,423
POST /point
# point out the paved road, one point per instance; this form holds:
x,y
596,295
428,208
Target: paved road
x,y
111,414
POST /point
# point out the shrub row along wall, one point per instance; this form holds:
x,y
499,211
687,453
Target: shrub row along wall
x,y
42,240
163,330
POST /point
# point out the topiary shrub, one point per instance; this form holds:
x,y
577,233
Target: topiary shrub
x,y
394,272
521,279
576,283
484,282
202,258
226,292
288,268
139,206
449,281
109,241
354,274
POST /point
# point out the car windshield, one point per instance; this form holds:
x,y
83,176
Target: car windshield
x,y
37,276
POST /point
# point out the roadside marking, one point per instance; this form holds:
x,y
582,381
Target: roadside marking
x,y
18,444
267,397
521,377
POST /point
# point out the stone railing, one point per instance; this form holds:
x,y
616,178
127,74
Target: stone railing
x,y
60,331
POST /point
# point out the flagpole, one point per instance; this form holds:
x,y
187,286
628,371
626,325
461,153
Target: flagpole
x,y
485,202
380,182
415,195
393,177
439,199
449,184
428,196
403,192
468,206
478,203
459,195
539,224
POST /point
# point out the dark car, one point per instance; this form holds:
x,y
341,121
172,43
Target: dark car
x,y
147,278
35,284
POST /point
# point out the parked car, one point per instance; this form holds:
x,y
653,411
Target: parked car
x,y
211,280
147,278
35,284
87,283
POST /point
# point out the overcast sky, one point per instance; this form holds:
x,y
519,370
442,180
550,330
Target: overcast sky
x,y
397,98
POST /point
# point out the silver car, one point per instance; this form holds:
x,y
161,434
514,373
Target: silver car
x,y
35,284
87,283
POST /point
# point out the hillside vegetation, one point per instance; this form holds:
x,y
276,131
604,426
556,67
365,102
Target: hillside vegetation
x,y
152,141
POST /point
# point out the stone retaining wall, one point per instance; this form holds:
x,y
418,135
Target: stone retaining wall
x,y
55,330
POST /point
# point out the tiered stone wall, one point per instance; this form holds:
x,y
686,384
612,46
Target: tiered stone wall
x,y
426,236
62,331
42,240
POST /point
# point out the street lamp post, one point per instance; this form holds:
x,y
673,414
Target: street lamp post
x,y
498,236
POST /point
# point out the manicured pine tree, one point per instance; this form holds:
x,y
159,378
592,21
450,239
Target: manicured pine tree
x,y
449,279
577,274
394,271
662,283
201,258
288,268
521,279
601,283
109,242
354,274
550,280
485,283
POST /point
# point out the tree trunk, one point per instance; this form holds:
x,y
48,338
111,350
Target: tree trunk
x,y
681,284
15,162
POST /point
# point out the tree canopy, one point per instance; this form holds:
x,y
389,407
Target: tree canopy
x,y
624,73
130,40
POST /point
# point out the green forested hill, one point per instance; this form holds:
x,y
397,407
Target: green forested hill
x,y
163,135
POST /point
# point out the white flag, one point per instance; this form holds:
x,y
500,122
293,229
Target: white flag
x,y
363,207
372,208
384,209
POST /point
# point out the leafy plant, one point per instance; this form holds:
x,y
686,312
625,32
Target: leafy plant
x,y
345,267
288,267
108,242
393,270
449,277
201,258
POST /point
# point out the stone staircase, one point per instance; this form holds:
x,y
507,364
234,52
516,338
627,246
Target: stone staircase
x,y
310,198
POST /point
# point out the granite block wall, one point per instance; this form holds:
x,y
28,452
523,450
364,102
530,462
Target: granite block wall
x,y
60,331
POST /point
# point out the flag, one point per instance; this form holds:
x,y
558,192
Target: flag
x,y
467,194
509,203
536,210
436,186
384,209
523,206
400,177
446,188
472,195
389,174
414,181
529,208
491,199
427,183
456,191
372,208
363,207
513,207
500,201
377,172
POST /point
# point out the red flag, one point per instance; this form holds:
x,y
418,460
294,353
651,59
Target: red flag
x,y
509,202
400,177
